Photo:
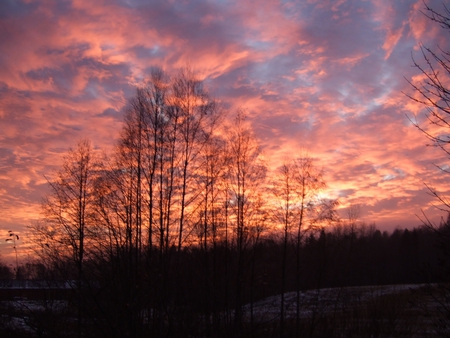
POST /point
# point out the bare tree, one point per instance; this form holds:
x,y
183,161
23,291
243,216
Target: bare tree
x,y
69,209
246,175
433,92
308,183
197,115
283,214
69,212
207,217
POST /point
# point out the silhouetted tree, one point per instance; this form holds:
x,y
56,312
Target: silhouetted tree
x,y
284,191
432,90
69,213
299,209
246,175
308,182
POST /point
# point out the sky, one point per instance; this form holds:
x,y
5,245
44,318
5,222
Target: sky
x,y
324,77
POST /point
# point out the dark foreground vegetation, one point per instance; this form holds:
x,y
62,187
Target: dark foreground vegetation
x,y
201,293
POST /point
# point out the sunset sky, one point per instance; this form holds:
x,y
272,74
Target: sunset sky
x,y
325,77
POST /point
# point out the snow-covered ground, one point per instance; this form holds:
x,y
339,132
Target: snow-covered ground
x,y
322,300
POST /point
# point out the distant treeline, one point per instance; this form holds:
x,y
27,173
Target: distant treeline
x,y
329,258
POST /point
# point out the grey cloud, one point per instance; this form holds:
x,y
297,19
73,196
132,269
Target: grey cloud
x,y
110,112
16,8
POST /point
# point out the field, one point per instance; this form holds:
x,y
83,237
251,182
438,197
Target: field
x,y
414,310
